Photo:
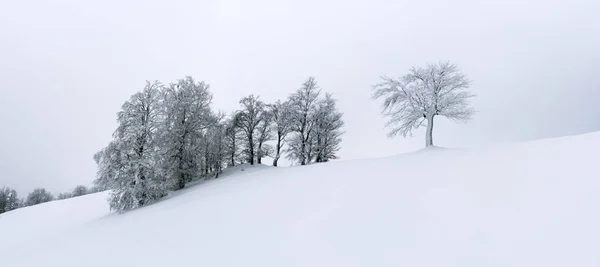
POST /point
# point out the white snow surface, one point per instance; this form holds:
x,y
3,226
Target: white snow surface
x,y
527,204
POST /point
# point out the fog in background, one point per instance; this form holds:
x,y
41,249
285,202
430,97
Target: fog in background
x,y
66,67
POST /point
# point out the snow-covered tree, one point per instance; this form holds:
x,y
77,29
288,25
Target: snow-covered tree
x,y
79,190
109,161
8,199
216,152
187,115
3,200
128,164
94,189
232,146
425,92
328,124
280,114
303,106
264,134
38,196
202,149
14,202
248,119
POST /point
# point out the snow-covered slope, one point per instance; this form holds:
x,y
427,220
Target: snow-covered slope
x,y
530,204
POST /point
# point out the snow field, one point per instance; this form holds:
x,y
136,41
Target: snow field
x,y
527,204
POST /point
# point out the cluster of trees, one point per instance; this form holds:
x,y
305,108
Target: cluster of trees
x,y
9,199
169,135
79,190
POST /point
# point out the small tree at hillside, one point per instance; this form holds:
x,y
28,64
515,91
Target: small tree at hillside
x,y
13,202
8,199
80,190
38,196
418,97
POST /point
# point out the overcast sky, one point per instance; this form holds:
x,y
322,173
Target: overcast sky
x,y
66,66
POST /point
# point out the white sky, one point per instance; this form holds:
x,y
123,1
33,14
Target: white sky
x,y
66,66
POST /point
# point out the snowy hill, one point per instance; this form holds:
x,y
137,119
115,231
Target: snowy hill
x,y
529,204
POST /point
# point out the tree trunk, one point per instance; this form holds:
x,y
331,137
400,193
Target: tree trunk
x,y
181,177
180,174
233,147
207,164
259,153
303,150
309,153
278,152
429,133
251,157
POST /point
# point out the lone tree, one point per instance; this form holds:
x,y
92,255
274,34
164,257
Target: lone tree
x,y
417,97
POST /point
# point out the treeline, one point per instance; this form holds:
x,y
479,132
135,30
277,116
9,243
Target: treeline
x,y
9,200
169,135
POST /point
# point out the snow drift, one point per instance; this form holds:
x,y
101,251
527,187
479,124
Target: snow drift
x,y
529,204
